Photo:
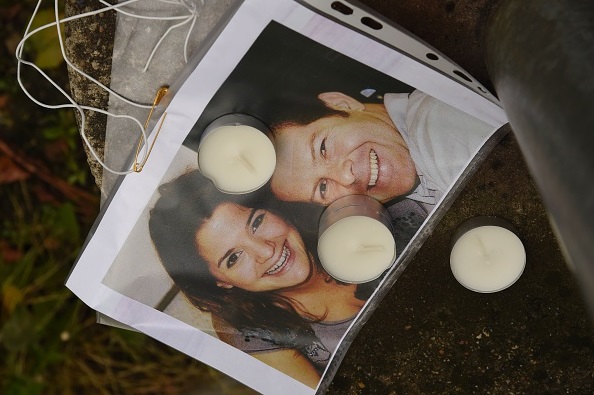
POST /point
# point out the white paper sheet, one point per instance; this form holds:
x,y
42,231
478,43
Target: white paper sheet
x,y
130,293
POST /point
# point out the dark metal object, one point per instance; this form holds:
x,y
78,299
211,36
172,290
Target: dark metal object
x,y
482,220
540,55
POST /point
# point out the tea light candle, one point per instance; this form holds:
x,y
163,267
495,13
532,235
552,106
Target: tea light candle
x,y
487,255
356,243
236,156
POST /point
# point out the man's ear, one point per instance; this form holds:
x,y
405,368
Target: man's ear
x,y
222,284
340,101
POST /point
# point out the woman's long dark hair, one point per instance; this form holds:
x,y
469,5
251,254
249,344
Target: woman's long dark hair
x,y
183,207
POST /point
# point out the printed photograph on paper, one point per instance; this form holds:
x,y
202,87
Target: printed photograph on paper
x,y
244,268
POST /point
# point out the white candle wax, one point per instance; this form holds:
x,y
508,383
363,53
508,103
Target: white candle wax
x,y
238,159
356,249
488,259
355,243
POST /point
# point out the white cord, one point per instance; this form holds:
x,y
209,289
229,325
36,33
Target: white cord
x,y
191,16
148,62
160,18
194,19
80,109
19,50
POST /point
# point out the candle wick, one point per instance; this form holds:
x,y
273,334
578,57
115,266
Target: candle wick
x,y
246,163
369,248
482,248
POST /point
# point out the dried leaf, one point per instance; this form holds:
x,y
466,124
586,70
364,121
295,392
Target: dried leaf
x,y
10,171
11,42
51,243
3,101
55,149
43,195
10,254
49,58
45,42
11,297
11,12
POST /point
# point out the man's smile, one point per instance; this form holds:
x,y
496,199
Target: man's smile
x,y
335,156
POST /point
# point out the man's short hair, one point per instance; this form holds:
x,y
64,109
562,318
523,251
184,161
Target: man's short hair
x,y
297,109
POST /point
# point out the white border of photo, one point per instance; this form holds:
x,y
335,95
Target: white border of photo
x,y
136,190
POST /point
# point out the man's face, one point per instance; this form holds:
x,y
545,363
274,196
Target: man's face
x,y
337,156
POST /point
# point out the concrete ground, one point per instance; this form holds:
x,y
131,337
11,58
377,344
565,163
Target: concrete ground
x,y
430,335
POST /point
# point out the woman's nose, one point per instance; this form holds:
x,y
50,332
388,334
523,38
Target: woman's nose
x,y
263,250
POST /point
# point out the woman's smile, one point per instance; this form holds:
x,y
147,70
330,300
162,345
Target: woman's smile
x,y
281,263
253,249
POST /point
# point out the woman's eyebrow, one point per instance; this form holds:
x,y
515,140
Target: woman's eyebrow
x,y
249,220
229,251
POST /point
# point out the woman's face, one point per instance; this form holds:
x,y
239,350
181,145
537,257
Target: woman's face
x,y
252,249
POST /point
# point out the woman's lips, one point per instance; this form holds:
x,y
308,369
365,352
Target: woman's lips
x,y
281,263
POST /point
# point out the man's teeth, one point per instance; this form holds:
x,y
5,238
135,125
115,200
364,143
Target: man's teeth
x,y
281,261
373,168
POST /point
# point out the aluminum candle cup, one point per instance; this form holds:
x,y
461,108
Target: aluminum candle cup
x,y
487,255
355,243
237,154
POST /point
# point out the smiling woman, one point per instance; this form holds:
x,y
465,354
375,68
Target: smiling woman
x,y
235,257
252,249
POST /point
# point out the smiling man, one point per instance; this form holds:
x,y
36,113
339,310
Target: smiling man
x,y
412,145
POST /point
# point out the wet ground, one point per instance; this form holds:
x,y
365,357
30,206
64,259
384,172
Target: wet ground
x,y
430,335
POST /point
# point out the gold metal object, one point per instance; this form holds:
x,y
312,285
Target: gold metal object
x,y
137,167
